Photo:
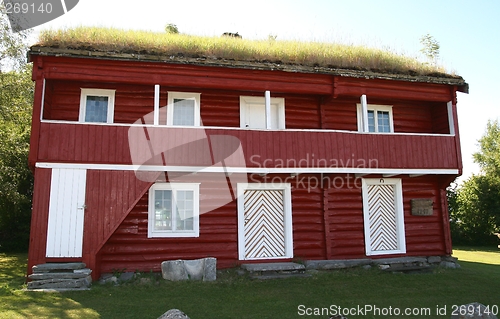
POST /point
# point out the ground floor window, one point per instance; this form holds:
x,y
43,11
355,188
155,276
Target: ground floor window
x,y
173,210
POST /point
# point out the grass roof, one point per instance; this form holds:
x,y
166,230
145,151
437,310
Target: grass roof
x,y
310,54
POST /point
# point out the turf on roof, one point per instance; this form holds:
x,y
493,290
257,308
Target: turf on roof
x,y
308,54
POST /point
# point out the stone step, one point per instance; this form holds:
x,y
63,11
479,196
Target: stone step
x,y
336,264
60,283
57,289
408,269
274,267
61,275
279,276
274,270
57,267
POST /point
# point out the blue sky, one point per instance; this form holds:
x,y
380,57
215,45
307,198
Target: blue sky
x,y
467,31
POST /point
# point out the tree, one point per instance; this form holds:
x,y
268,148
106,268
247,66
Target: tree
x,y
171,29
12,45
475,205
430,47
16,179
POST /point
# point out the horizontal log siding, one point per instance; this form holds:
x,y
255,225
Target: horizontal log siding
x,y
345,217
424,234
129,246
39,217
132,102
440,118
183,75
302,112
340,114
221,108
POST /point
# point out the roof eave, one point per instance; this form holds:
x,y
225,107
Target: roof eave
x,y
458,82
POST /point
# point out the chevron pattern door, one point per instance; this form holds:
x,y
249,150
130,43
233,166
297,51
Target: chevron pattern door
x,y
264,224
384,229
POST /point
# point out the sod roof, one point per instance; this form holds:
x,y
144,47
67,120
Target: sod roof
x,y
291,56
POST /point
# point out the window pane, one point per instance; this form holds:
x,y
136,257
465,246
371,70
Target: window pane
x,y
183,112
371,121
383,121
184,209
163,210
96,109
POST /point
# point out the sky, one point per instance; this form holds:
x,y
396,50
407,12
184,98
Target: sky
x,y
468,33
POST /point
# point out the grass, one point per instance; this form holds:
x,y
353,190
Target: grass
x,y
233,296
314,54
484,255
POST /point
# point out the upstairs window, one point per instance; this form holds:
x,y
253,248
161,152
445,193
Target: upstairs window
x,y
379,119
173,210
253,112
183,109
97,105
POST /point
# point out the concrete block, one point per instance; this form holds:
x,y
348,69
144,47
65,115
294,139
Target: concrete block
x,y
174,270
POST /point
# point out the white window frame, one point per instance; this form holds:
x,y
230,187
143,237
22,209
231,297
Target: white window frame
x,y
110,94
247,101
400,226
174,187
184,96
287,207
375,108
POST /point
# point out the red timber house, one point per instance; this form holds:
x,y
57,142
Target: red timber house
x,y
140,159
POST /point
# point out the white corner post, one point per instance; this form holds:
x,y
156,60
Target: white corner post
x,y
268,109
451,121
42,104
156,114
364,113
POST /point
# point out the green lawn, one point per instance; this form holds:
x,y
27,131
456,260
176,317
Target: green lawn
x,y
233,296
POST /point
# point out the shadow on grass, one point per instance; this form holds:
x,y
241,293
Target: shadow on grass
x,y
13,269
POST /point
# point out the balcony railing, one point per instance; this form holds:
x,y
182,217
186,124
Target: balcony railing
x,y
242,148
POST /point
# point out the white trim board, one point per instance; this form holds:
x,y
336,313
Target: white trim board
x,y
258,170
240,128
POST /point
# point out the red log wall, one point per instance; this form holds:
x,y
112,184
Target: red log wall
x,y
336,233
222,108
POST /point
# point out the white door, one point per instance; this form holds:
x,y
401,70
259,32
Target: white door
x,y
265,230
253,112
383,216
256,116
66,213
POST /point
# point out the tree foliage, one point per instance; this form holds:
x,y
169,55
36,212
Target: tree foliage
x,y
12,45
171,29
475,205
16,179
430,47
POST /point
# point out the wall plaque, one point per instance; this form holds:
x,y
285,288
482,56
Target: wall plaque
x,y
421,207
